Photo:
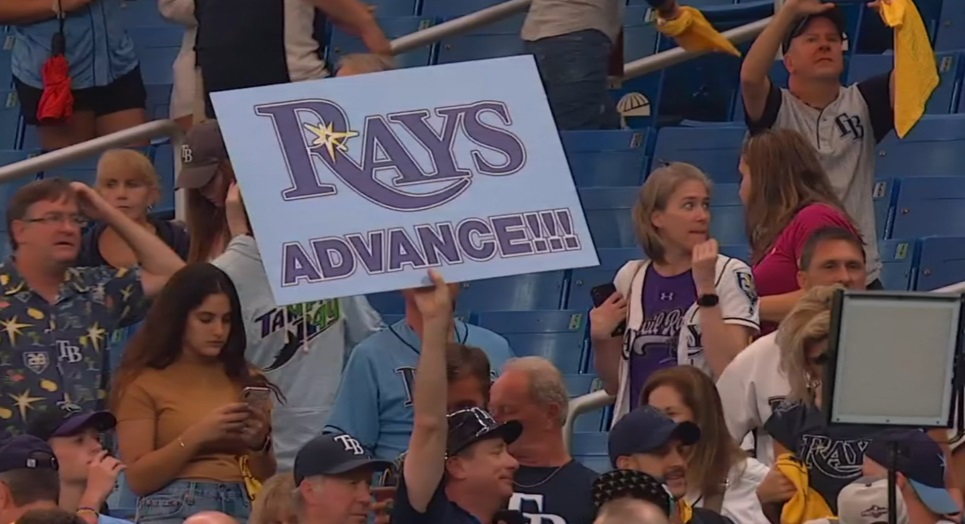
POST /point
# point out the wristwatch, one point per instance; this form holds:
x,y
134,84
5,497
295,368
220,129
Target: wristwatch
x,y
708,300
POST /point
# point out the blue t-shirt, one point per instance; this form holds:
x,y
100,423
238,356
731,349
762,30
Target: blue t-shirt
x,y
105,519
374,400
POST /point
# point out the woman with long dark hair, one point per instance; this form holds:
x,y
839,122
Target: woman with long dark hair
x,y
720,476
787,196
189,440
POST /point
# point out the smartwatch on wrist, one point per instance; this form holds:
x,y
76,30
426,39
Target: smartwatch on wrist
x,y
708,300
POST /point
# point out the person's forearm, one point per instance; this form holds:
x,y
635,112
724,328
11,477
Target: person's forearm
x,y
351,14
775,307
153,255
722,341
180,11
262,464
429,391
160,467
606,361
760,57
17,12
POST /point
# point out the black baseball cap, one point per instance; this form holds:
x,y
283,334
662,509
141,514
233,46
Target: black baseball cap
x,y
626,483
921,461
69,421
645,430
835,15
26,452
334,454
468,426
201,153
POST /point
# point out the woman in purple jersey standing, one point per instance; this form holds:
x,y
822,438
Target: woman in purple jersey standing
x,y
684,304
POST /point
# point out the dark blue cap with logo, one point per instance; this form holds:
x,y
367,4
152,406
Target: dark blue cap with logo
x,y
26,452
834,15
921,461
645,430
69,420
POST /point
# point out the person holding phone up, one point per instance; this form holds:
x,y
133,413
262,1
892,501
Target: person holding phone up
x,y
686,304
193,416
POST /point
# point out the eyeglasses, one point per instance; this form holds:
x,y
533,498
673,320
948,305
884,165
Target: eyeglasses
x,y
56,219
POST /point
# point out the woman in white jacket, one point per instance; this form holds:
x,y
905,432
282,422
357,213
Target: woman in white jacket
x,y
720,475
685,304
183,94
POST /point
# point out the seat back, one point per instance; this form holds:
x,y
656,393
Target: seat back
x,y
930,206
556,335
715,150
941,262
516,293
605,158
934,147
899,260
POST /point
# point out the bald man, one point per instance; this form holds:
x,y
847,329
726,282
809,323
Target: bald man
x,y
210,517
630,511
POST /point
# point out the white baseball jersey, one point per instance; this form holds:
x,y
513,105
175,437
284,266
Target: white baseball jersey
x,y
749,388
738,303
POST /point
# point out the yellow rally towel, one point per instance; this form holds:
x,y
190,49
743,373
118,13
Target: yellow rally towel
x,y
916,74
806,504
252,485
693,32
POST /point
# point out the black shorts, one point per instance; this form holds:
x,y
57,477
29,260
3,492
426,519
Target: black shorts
x,y
127,92
224,71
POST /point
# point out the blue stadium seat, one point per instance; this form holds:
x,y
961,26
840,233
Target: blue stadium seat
x,y
715,150
862,67
583,279
9,119
448,8
516,293
394,7
885,195
140,14
951,31
898,258
7,189
590,448
738,251
941,262
638,100
84,170
156,48
934,147
578,385
479,47
930,206
606,158
607,211
695,3
639,34
163,157
6,75
778,75
557,335
727,215
343,43
158,101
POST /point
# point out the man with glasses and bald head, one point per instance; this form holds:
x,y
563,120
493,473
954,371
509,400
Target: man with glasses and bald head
x,y
55,318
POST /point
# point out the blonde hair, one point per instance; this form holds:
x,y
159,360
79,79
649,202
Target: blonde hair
x,y
274,501
654,196
711,458
546,384
807,324
130,161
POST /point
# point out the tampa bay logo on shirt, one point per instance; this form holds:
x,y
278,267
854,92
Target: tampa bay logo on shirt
x,y
302,323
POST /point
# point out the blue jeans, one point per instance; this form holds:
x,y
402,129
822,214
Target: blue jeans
x,y
574,70
180,499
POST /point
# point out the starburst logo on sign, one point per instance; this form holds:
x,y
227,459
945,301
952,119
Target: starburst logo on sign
x,y
327,137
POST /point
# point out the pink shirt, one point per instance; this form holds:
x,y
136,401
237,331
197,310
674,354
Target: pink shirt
x,y
776,273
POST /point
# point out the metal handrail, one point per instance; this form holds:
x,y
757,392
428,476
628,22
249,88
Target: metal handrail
x,y
456,26
583,404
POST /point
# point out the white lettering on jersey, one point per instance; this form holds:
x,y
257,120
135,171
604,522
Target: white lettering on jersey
x,y
530,501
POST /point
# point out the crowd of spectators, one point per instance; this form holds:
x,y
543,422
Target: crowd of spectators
x,y
150,355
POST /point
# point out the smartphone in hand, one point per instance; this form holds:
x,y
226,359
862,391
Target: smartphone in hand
x,y
599,295
256,397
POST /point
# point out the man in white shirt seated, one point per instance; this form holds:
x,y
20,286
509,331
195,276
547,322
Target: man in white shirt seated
x,y
753,383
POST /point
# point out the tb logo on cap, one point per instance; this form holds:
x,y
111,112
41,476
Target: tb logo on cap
x,y
350,444
186,154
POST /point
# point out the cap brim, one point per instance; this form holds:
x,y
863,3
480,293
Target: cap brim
x,y
939,500
195,177
686,432
99,420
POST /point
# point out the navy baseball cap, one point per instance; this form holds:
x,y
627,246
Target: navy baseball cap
x,y
468,426
334,454
835,15
26,452
69,421
921,461
645,430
